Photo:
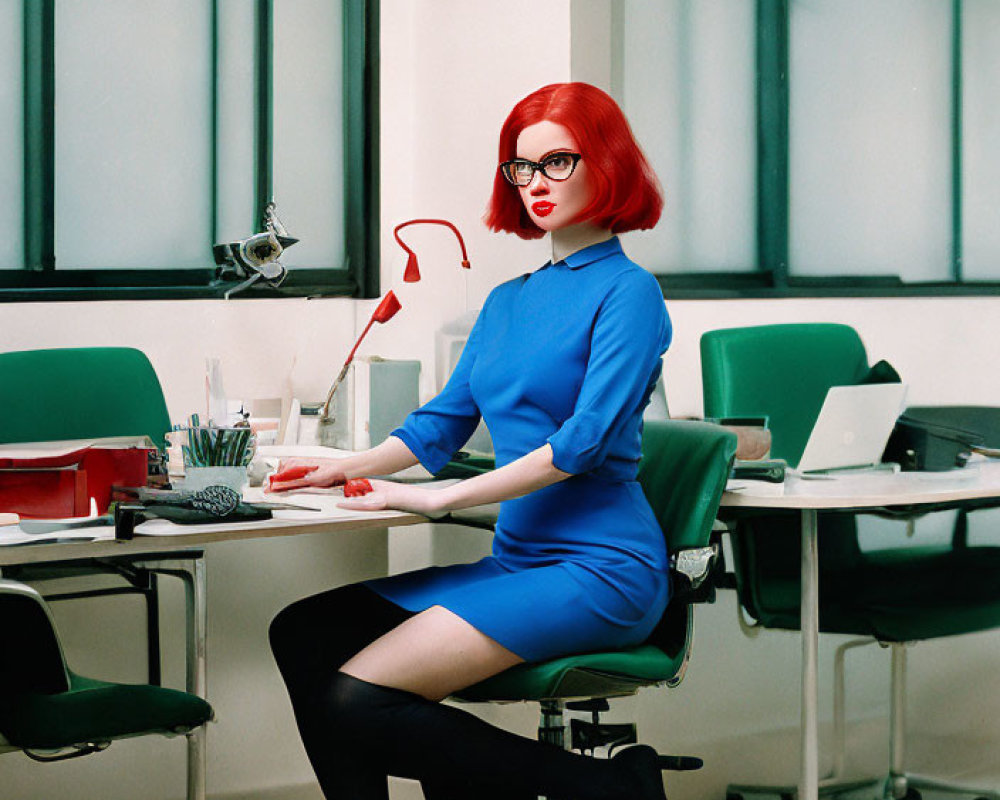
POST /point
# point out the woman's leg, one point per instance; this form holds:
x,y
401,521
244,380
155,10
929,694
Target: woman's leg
x,y
311,639
386,697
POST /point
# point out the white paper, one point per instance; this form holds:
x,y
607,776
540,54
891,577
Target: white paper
x,y
61,448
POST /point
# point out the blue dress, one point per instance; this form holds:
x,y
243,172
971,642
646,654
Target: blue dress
x,y
569,355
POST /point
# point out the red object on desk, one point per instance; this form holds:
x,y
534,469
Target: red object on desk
x,y
357,487
61,485
292,474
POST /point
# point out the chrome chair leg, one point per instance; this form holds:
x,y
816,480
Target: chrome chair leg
x,y
835,778
900,784
191,571
834,782
195,594
895,783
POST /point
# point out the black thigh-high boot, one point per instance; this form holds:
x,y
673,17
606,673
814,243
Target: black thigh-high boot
x,y
310,640
406,735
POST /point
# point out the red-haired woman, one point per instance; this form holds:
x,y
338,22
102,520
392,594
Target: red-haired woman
x,y
560,365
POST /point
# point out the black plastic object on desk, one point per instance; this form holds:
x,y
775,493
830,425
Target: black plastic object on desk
x,y
937,438
770,470
128,515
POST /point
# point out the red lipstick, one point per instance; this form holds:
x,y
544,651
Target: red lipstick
x,y
543,208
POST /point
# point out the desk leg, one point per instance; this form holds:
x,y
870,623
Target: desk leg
x,y
192,572
809,622
197,625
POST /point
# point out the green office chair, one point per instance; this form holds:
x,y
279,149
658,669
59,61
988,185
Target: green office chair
x,y
895,596
77,393
51,713
684,469
86,393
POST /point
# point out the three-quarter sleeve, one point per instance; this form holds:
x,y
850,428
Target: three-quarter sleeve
x,y
630,334
436,430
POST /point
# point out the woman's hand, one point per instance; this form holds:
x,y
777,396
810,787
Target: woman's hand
x,y
397,496
296,473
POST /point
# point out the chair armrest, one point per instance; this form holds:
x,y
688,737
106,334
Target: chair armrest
x,y
484,517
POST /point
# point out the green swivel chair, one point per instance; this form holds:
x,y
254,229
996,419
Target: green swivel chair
x,y
683,472
893,596
87,393
51,713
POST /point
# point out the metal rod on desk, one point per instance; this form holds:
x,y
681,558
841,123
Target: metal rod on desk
x,y
809,624
197,674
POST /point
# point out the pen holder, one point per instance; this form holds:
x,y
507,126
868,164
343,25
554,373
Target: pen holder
x,y
337,430
213,456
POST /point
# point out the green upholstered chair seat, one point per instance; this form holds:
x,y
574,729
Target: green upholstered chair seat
x,y
93,710
925,593
896,595
683,472
589,675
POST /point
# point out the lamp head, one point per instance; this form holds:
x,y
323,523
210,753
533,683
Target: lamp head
x,y
412,273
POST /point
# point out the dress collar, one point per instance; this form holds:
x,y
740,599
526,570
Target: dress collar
x,y
588,255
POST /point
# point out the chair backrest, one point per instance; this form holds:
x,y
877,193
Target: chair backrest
x,y
31,657
683,473
80,393
779,371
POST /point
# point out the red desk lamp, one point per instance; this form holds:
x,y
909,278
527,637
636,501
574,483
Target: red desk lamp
x,y
412,273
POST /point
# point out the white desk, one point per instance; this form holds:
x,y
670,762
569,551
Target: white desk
x,y
853,492
158,538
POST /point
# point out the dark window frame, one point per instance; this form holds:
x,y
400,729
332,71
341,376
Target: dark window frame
x,y
773,277
40,281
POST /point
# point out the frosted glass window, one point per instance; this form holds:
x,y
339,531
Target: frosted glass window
x,y
869,151
237,216
981,132
11,138
688,90
133,134
308,129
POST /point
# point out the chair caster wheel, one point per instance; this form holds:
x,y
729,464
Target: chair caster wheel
x,y
912,794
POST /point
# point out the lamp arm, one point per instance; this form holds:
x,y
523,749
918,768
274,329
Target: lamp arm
x,y
446,223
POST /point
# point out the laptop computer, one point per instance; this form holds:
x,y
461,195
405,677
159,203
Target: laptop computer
x,y
853,426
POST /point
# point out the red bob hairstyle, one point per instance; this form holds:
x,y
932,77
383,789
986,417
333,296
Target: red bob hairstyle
x,y
627,194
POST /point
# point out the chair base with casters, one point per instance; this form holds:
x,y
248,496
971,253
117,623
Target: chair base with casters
x,y
837,781
683,472
893,598
586,682
900,784
51,713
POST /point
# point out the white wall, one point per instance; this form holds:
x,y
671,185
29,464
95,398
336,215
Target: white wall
x,y
451,69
